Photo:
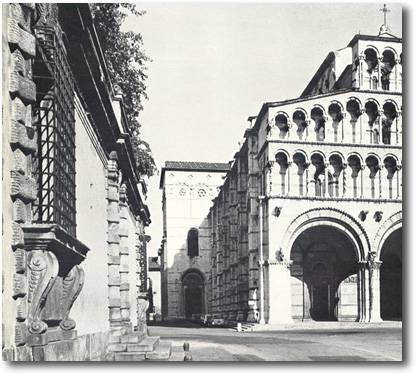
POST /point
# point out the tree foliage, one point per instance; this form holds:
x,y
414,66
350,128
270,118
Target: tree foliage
x,y
126,61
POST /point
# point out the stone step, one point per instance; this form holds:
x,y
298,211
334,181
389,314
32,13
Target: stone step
x,y
177,354
148,344
132,338
162,352
130,356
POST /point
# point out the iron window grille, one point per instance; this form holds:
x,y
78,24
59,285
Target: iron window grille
x,y
54,167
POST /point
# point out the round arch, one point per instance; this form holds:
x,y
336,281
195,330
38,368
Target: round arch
x,y
302,152
374,101
329,217
393,223
390,101
391,50
355,154
192,293
354,98
316,152
336,153
336,102
369,46
286,153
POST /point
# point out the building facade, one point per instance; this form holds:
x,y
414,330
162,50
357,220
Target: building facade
x,y
187,192
74,212
308,222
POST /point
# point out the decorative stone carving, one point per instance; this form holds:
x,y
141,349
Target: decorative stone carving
x,y
363,215
71,287
42,273
378,215
142,306
276,211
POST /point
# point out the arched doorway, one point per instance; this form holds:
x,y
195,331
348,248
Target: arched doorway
x,y
324,281
193,293
391,277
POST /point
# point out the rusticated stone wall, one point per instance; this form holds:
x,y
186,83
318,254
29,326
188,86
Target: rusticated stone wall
x,y
19,146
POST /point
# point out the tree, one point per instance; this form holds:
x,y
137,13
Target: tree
x,y
126,61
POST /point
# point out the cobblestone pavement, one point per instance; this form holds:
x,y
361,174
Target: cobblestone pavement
x,y
222,344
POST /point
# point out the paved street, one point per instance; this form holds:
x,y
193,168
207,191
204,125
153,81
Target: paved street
x,y
222,344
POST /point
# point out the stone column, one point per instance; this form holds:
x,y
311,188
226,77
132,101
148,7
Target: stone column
x,y
269,180
280,299
113,250
361,291
399,181
124,258
290,178
326,180
398,136
361,71
374,277
311,192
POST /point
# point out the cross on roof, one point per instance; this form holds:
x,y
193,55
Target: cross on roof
x,y
385,10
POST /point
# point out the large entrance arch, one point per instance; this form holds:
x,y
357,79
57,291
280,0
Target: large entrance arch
x,y
324,275
391,277
193,293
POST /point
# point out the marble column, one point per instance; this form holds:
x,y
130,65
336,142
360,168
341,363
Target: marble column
x,y
374,277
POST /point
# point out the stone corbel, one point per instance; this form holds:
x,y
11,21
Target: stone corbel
x,y
55,280
71,287
43,270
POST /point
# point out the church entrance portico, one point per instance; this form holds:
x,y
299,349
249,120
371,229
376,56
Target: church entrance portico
x,y
324,277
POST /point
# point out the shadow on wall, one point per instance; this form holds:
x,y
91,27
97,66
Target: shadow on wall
x,y
187,279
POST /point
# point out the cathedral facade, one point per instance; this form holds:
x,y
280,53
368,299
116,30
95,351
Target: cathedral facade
x,y
307,225
307,222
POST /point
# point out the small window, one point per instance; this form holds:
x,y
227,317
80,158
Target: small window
x,y
192,243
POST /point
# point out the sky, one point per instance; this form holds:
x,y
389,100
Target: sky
x,y
214,64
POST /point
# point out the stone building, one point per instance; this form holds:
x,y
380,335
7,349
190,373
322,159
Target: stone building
x,y
188,189
308,222
74,212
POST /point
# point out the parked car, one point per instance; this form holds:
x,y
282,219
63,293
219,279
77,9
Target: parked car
x,y
217,322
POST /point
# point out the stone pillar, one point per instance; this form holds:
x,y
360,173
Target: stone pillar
x,y
124,258
142,296
261,262
374,285
280,299
113,250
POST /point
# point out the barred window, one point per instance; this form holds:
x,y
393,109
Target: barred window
x,y
54,167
